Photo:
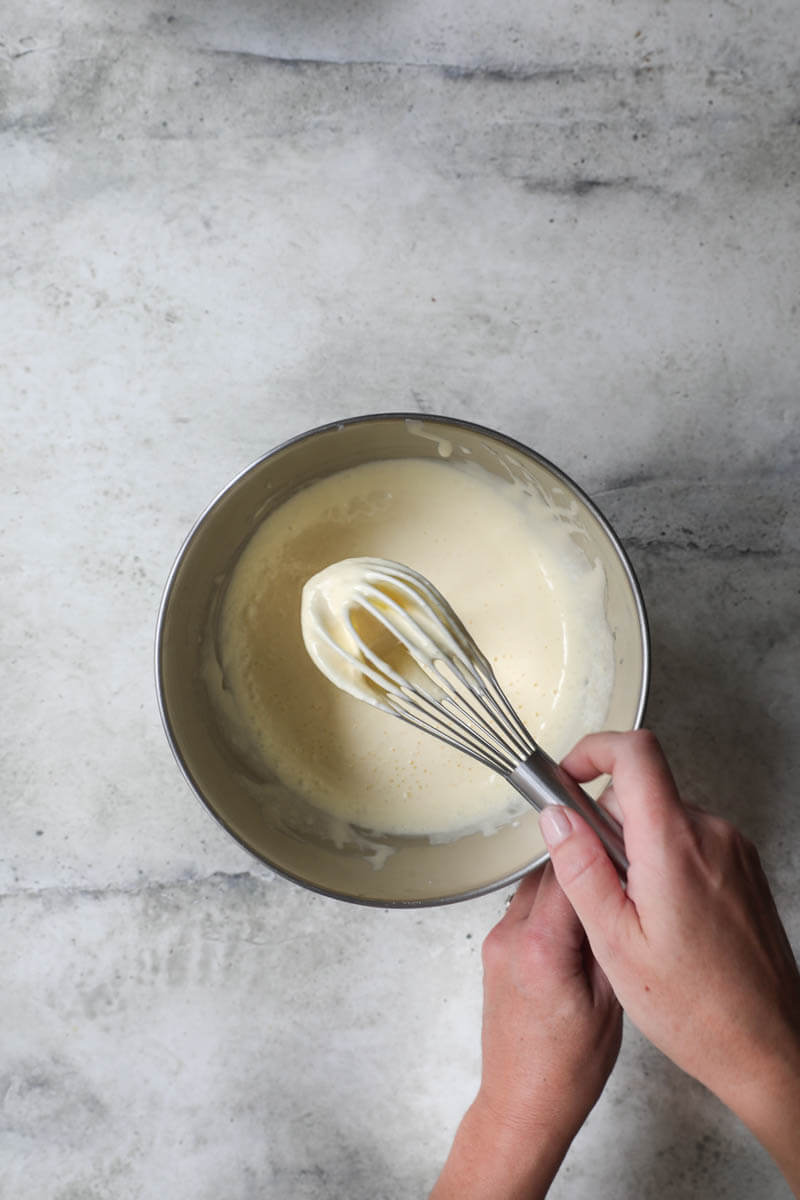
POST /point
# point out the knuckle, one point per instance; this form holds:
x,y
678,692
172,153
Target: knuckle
x,y
718,829
493,948
540,943
645,740
732,841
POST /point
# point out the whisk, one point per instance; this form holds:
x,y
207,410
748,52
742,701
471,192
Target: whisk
x,y
382,632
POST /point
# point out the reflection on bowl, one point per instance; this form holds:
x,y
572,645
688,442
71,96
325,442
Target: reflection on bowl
x,y
269,817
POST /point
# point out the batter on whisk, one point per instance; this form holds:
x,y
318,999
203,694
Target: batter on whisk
x,y
512,570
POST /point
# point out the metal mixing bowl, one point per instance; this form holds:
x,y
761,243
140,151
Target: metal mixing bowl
x,y
262,813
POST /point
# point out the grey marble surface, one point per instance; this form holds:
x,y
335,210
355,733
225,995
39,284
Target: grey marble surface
x,y
224,223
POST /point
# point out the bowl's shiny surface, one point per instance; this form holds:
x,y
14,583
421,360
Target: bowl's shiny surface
x,y
264,816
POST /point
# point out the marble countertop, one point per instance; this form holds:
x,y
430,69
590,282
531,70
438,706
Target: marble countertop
x,y
224,223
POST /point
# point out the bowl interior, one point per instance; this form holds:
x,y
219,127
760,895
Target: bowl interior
x,y
263,814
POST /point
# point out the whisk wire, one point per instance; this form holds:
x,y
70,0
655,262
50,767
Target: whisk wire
x,y
460,739
461,711
472,670
375,601
490,696
461,703
475,712
404,694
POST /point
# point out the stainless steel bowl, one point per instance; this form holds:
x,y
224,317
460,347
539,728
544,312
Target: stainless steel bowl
x,y
263,814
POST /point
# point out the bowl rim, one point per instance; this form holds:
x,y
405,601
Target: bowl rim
x,y
306,435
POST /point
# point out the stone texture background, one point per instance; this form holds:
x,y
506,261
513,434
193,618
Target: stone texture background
x,y
226,223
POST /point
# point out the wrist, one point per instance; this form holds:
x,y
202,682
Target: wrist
x,y
767,1100
526,1131
497,1158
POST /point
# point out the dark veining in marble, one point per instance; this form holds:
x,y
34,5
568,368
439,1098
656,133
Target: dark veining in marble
x,y
457,72
580,187
510,74
244,880
722,553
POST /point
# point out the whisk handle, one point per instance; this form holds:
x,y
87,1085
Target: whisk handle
x,y
542,782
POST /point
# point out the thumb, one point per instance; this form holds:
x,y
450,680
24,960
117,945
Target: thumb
x,y
585,873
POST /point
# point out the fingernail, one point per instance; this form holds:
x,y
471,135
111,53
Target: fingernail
x,y
554,824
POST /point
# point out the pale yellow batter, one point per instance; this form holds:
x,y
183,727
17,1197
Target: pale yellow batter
x,y
511,570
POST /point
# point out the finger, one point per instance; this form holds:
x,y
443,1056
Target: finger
x,y
523,898
587,877
620,755
553,916
610,802
643,782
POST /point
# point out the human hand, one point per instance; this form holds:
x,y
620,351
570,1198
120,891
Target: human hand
x,y
551,1024
694,949
551,1034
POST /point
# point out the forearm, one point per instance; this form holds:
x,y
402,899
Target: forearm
x,y
489,1161
769,1106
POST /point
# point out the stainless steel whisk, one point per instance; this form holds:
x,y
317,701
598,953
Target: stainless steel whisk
x,y
355,608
